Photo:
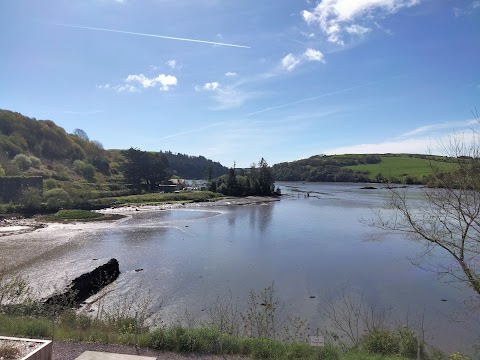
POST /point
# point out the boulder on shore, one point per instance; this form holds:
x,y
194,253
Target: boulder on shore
x,y
86,285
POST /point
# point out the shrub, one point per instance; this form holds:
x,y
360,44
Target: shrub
x,y
30,200
381,342
49,184
35,162
57,198
2,171
329,352
86,170
409,344
22,161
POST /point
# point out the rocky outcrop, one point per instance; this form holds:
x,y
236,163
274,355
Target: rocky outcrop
x,y
86,285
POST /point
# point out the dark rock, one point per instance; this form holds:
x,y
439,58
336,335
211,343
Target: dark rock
x,y
86,285
137,270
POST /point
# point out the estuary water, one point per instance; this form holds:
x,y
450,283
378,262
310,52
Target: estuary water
x,y
308,246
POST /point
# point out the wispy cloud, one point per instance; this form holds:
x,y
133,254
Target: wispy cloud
x,y
466,10
154,36
338,18
410,146
191,131
434,139
225,97
449,125
231,74
172,64
320,96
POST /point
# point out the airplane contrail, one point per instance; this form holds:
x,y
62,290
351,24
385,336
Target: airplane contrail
x,y
320,96
154,35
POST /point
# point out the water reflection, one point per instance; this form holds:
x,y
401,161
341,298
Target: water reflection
x,y
306,246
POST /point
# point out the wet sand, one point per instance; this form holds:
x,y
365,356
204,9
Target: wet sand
x,y
26,241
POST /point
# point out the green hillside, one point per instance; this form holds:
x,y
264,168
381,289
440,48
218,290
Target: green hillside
x,y
405,167
397,168
30,147
44,167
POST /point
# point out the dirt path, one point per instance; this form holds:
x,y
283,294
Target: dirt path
x,y
71,350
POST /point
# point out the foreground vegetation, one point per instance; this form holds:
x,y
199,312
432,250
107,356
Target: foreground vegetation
x,y
258,330
72,327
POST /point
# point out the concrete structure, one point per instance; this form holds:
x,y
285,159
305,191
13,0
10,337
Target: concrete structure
x,y
95,355
41,352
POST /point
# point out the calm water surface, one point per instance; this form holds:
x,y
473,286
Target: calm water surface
x,y
306,246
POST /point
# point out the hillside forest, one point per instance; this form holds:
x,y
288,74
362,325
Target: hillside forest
x,y
79,172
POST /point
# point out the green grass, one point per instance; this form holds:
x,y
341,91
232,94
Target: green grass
x,y
402,166
75,215
159,198
79,328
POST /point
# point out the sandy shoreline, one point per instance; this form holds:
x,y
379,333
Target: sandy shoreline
x,y
26,241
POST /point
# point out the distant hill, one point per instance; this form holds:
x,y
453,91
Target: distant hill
x,y
194,167
398,168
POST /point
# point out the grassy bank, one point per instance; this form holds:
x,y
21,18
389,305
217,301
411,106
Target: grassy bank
x,y
74,215
75,209
72,327
158,198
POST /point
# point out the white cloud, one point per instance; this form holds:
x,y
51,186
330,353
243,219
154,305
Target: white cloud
x,y
230,74
289,62
126,88
313,55
133,83
164,82
339,17
211,86
172,64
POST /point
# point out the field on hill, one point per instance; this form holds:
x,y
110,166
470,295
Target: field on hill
x,y
403,166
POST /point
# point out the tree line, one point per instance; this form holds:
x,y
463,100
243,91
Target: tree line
x,y
245,182
325,168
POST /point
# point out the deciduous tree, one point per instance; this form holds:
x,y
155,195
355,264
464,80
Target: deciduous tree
x,y
448,217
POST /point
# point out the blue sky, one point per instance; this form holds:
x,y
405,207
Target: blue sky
x,y
280,79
